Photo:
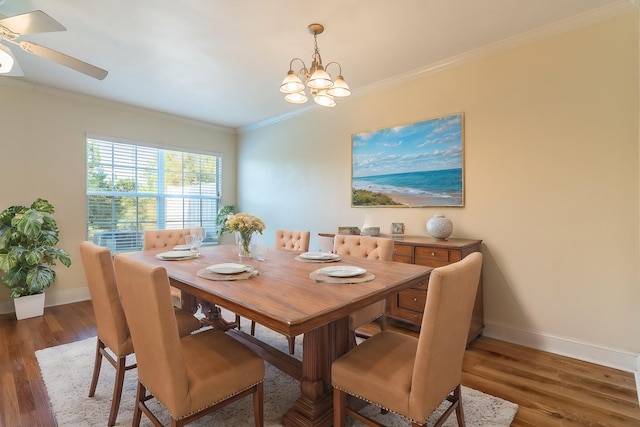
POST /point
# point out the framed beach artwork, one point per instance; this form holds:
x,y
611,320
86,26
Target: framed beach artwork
x,y
416,165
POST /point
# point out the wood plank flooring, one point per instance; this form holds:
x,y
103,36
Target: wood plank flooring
x,y
551,390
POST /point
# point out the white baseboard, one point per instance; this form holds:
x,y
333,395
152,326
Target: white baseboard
x,y
53,298
588,352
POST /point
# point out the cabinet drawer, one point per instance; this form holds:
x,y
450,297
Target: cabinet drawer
x,y
412,299
409,316
432,257
402,250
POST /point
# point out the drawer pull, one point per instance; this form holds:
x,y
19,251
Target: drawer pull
x,y
433,254
415,300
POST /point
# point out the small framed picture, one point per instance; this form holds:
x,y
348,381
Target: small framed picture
x,y
397,229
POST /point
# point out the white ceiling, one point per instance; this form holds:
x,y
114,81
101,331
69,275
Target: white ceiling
x,y
222,61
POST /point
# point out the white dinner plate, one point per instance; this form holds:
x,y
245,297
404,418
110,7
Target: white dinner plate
x,y
228,268
176,255
319,255
181,248
342,271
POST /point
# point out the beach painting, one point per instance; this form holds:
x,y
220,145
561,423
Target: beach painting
x,y
415,165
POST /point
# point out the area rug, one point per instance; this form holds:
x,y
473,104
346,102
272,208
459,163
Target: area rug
x,y
67,369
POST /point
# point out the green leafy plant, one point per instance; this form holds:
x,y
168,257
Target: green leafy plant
x,y
28,236
221,219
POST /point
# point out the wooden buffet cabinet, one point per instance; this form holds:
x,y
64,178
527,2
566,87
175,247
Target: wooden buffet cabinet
x,y
408,305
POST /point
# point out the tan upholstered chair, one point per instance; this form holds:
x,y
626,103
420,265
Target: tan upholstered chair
x,y
167,239
192,376
113,332
413,376
164,239
292,240
289,240
372,248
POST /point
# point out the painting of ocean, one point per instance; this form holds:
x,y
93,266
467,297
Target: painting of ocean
x,y
419,164
440,187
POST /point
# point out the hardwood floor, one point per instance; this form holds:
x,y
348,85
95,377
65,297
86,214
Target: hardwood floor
x,y
550,390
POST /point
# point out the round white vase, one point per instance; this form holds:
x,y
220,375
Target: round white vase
x,y
439,227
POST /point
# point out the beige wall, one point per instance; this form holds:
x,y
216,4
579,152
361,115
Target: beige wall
x,y
551,162
42,154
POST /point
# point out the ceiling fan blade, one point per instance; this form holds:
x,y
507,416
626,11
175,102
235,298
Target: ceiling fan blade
x,y
32,22
66,60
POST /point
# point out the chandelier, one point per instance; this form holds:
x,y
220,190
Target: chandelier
x,y
316,78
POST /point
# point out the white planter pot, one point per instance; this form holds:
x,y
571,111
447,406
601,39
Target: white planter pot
x,y
29,306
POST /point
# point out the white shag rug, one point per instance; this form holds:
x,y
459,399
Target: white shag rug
x,y
67,370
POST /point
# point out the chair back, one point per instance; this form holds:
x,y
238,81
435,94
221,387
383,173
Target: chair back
x,y
292,240
110,318
156,239
363,246
146,300
443,334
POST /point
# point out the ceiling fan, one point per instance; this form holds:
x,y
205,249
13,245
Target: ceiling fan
x,y
14,27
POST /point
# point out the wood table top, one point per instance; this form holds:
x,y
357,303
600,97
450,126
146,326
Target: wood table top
x,y
282,296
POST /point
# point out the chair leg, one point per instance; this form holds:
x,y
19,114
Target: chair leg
x,y
140,399
253,327
457,393
117,390
96,367
258,402
238,321
339,407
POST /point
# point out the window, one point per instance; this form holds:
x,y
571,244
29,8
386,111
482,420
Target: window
x,y
131,188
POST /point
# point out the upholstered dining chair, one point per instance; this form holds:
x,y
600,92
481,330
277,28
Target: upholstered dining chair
x,y
412,376
372,248
289,240
166,239
192,376
292,240
113,331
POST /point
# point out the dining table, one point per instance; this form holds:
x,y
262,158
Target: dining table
x,y
287,294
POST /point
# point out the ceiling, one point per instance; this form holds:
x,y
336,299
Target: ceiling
x,y
222,61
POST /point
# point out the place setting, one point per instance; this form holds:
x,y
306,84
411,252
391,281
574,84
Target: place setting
x,y
227,271
342,274
319,257
177,255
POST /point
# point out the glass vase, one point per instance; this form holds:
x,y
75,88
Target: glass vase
x,y
244,244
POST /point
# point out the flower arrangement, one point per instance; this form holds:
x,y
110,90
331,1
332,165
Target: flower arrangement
x,y
245,224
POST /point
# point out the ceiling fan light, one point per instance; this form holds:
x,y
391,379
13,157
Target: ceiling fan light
x,y
320,79
291,83
340,88
6,60
323,99
296,98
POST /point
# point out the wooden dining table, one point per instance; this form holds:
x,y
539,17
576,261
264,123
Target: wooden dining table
x,y
284,298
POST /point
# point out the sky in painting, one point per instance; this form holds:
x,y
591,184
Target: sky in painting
x,y
425,146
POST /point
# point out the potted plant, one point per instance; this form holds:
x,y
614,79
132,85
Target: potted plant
x,y
28,236
224,214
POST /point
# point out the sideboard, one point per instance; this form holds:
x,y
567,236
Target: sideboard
x,y
408,305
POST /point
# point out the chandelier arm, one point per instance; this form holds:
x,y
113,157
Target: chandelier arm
x,y
326,67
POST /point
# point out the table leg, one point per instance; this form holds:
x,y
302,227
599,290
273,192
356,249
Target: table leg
x,y
320,348
213,317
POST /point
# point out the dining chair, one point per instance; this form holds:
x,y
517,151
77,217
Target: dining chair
x,y
377,248
289,240
192,376
113,331
166,239
407,375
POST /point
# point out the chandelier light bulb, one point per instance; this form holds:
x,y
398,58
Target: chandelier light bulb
x,y
291,83
296,98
